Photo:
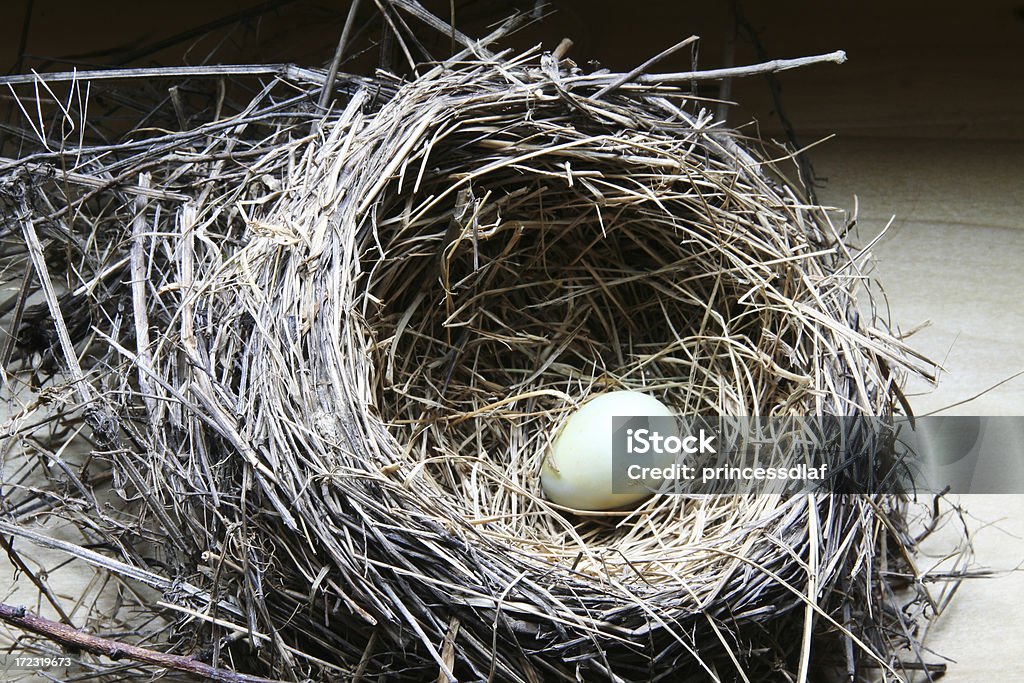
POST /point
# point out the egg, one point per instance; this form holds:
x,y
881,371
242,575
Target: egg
x,y
577,469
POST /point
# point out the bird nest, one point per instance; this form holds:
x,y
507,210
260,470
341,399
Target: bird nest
x,y
322,358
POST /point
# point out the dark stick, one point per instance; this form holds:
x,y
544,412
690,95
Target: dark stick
x,y
332,73
451,9
26,27
171,41
728,60
803,162
937,668
19,311
16,560
417,10
69,636
626,78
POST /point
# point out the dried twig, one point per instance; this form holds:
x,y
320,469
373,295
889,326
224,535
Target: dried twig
x,y
71,637
626,78
802,159
332,73
284,70
773,66
362,334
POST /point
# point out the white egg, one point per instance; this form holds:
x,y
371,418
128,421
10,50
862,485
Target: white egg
x,y
577,471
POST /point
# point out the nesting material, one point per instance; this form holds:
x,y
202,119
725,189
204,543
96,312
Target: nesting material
x,y
323,358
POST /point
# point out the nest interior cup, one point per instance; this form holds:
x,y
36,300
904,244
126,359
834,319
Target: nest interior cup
x,y
353,338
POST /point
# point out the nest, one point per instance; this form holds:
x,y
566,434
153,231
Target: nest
x,y
321,358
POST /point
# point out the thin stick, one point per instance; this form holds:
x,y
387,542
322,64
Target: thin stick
x,y
332,73
728,60
139,283
114,566
284,70
26,25
975,396
35,250
204,29
803,161
417,10
626,78
19,311
451,11
69,636
837,57
813,537
44,589
99,183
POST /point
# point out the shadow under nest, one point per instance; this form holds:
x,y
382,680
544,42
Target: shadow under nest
x,y
361,340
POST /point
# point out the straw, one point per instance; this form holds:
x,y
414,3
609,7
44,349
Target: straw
x,y
318,358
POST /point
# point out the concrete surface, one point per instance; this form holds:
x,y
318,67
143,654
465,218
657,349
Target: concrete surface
x,y
954,256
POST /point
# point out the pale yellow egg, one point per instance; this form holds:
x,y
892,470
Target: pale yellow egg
x,y
577,471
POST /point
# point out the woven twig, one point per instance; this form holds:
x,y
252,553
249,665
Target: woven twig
x,y
321,355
